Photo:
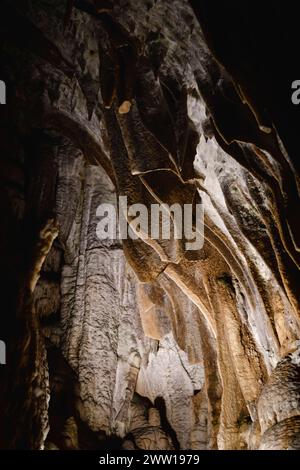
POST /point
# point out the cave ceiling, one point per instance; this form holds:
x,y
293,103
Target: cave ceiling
x,y
141,343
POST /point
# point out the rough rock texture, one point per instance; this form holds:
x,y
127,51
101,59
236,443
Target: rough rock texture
x,y
149,345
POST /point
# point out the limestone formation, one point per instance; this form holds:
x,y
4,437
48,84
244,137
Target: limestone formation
x,y
141,343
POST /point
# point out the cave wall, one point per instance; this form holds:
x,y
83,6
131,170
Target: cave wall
x,y
152,346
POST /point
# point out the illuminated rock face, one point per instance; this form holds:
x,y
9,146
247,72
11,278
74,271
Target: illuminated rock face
x,y
148,345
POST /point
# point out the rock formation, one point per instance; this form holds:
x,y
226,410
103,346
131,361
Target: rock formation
x,y
141,343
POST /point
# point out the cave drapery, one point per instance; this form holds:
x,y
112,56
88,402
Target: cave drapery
x,y
141,344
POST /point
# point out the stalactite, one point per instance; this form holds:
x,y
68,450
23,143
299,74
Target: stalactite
x,y
142,343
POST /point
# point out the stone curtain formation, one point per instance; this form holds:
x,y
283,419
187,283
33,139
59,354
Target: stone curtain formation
x,y
141,343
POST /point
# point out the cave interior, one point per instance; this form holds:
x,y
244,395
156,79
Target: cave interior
x,y
141,343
